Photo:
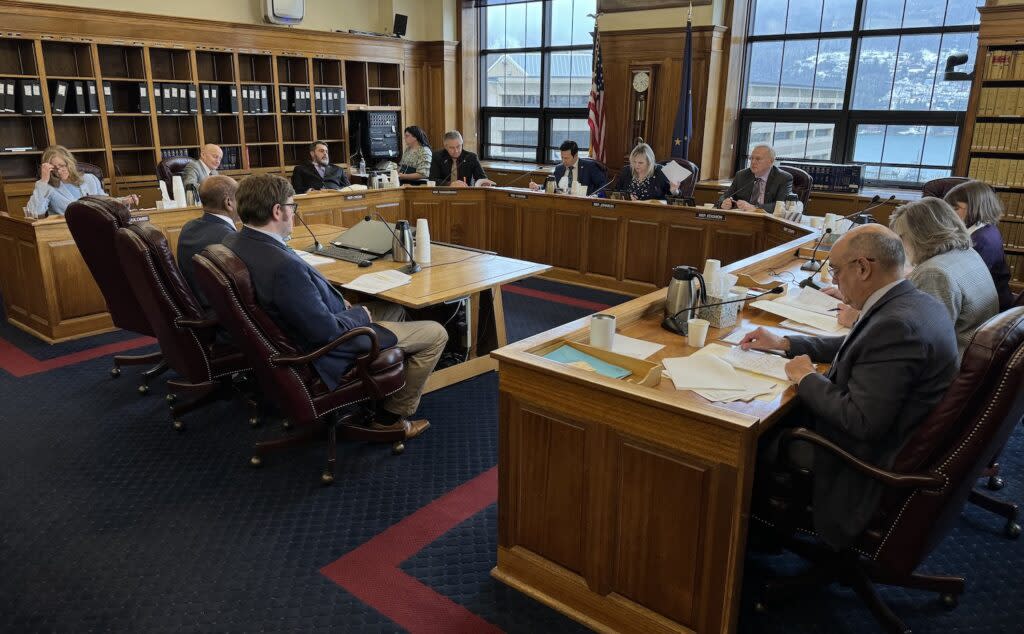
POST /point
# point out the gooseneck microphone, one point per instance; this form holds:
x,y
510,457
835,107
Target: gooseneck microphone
x,y
812,264
600,189
316,243
410,268
862,217
672,325
745,189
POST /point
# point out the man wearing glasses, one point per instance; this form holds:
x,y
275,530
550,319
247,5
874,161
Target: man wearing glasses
x,y
305,305
885,377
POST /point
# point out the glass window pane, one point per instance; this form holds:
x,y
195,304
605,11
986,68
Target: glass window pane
x,y
569,22
918,13
790,140
763,75
512,137
915,72
793,140
903,144
819,141
769,17
569,130
930,174
883,14
513,80
494,18
963,12
876,65
838,15
804,16
867,144
760,132
798,63
952,95
830,74
522,25
569,79
939,145
899,174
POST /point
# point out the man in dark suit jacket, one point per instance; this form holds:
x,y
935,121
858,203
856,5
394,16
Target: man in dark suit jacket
x,y
305,305
760,185
574,169
319,173
455,166
217,222
885,377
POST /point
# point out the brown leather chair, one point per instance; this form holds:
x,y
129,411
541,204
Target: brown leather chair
x,y
286,374
188,338
687,186
930,481
168,168
939,187
802,182
93,221
89,168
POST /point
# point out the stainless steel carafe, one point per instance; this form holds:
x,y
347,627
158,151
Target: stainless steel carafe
x,y
685,292
403,238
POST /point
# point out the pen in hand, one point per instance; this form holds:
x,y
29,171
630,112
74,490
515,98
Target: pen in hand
x,y
832,310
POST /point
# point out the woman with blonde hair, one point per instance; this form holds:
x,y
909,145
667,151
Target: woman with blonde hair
x,y
60,184
979,207
643,178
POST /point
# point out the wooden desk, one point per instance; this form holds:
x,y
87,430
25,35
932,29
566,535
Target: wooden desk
x,y
625,507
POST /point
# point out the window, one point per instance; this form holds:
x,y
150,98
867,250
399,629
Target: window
x,y
859,81
535,77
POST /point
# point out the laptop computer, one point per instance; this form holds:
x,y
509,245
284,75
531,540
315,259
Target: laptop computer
x,y
372,237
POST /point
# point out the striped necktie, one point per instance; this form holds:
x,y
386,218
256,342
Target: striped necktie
x,y
758,196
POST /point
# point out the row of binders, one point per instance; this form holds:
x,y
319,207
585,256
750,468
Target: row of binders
x,y
997,172
997,137
1016,264
22,96
74,97
1001,102
1004,65
175,98
223,99
326,100
177,152
1013,234
1013,204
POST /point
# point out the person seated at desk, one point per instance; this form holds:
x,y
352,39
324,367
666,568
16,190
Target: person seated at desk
x,y
318,173
760,185
305,305
885,378
196,172
216,223
60,184
980,209
643,178
457,167
415,163
574,169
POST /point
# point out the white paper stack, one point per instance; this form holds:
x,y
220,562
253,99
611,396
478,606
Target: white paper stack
x,y
675,173
636,348
709,375
373,283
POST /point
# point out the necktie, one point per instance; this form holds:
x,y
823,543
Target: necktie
x,y
569,181
758,196
455,172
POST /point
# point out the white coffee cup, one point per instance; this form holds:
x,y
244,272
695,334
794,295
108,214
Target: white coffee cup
x,y
602,331
159,204
431,184
708,205
697,332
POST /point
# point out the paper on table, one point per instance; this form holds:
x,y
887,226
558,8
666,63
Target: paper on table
x,y
760,387
314,260
795,325
821,322
703,371
636,348
373,283
811,299
758,362
735,337
675,173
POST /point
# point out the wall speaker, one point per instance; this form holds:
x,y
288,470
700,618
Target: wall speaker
x,y
284,11
401,22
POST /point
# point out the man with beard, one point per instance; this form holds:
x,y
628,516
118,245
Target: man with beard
x,y
319,172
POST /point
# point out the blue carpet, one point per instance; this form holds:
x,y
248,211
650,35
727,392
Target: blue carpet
x,y
110,521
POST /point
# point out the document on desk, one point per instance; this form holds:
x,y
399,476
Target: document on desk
x,y
313,259
822,322
710,376
578,359
757,362
636,348
811,300
675,173
374,283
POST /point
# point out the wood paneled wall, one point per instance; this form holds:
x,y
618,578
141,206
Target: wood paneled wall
x,y
431,88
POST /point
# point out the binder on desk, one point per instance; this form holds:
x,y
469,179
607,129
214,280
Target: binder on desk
x,y
92,97
264,99
80,106
193,107
108,97
143,99
60,97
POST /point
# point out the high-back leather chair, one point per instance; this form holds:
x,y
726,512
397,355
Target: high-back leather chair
x,y
168,168
89,168
93,221
687,186
802,182
287,375
931,479
187,337
939,187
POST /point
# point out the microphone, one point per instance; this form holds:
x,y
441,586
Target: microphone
x,y
809,265
672,325
601,188
745,190
316,243
196,200
412,267
862,217
517,179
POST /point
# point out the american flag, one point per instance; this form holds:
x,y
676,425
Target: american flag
x,y
596,103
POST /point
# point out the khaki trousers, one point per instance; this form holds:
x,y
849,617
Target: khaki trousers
x,y
422,342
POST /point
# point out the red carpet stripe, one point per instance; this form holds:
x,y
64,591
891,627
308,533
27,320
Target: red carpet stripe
x,y
20,364
371,573
554,297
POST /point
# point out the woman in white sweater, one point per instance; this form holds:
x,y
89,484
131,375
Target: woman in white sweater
x,y
60,184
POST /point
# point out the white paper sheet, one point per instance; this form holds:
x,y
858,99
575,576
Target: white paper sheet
x,y
758,362
812,300
736,336
810,330
636,348
314,260
821,322
373,283
675,173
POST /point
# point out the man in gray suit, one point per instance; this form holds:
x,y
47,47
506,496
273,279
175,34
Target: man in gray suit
x,y
760,185
196,172
885,377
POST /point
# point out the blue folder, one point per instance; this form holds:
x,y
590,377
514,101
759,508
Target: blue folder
x,y
568,354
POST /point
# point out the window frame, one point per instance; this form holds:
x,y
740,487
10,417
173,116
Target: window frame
x,y
544,114
845,119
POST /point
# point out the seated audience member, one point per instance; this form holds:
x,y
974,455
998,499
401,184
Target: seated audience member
x,y
884,379
318,172
643,178
945,266
311,311
60,184
760,185
574,169
457,167
415,163
196,172
980,209
217,222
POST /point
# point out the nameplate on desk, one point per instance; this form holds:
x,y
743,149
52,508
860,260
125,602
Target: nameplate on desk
x,y
518,196
444,192
604,205
789,231
137,219
706,215
355,197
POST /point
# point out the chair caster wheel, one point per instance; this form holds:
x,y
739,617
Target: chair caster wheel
x,y
254,421
287,424
995,483
115,372
398,448
178,425
171,398
949,601
143,389
256,461
760,607
1012,530
327,478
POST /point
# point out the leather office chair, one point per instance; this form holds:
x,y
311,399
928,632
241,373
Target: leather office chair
x,y
89,168
287,375
93,220
939,187
802,182
187,337
930,481
687,186
168,168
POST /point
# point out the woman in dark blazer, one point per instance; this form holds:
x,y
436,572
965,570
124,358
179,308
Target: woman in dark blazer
x,y
980,209
643,178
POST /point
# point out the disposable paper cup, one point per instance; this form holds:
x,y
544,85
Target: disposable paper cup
x,y
697,330
430,184
708,205
711,267
159,204
602,331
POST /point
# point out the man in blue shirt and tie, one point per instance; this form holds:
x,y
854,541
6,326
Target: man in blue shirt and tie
x,y
575,170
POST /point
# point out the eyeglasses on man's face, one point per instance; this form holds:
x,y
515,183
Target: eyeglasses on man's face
x,y
294,206
833,269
